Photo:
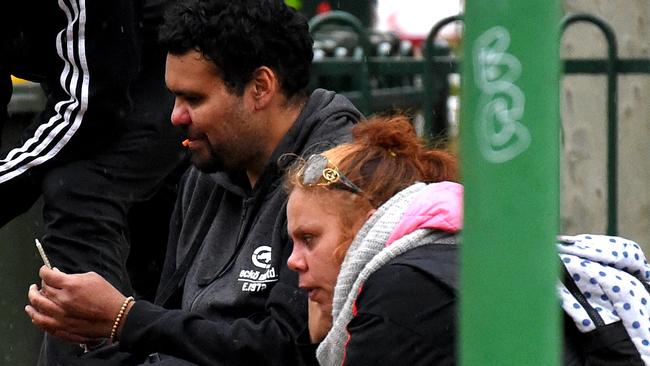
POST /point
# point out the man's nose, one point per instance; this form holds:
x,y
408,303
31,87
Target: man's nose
x,y
180,115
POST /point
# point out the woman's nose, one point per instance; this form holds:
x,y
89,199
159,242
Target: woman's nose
x,y
296,261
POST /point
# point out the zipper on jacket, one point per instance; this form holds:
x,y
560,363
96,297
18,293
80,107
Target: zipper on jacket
x,y
231,260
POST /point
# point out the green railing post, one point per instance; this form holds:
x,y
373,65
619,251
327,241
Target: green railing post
x,y
612,113
510,168
432,78
363,78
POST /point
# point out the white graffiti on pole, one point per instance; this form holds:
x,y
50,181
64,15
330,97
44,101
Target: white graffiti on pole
x,y
501,135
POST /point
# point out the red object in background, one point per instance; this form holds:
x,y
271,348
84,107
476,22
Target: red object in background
x,y
323,7
416,40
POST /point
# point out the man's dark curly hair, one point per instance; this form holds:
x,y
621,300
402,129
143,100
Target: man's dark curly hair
x,y
241,35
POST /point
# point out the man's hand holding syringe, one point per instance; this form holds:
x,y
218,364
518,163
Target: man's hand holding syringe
x,y
79,308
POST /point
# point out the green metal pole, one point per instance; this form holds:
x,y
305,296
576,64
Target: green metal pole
x,y
510,168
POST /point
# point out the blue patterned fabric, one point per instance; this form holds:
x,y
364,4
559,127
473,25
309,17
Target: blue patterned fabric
x,y
610,272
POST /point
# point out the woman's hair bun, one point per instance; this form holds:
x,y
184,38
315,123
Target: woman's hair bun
x,y
395,134
395,139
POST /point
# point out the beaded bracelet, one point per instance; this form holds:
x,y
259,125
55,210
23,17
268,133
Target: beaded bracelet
x,y
119,316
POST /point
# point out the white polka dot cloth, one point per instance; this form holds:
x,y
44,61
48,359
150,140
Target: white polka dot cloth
x,y
608,270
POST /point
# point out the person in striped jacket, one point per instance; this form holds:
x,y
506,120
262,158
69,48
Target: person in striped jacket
x,y
103,140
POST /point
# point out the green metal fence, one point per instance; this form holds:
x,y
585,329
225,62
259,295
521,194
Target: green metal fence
x,y
432,70
437,64
611,66
526,189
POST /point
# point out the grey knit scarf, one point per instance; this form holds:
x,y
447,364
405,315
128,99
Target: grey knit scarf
x,y
366,254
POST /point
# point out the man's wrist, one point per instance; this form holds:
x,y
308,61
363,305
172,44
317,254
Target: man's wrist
x,y
120,319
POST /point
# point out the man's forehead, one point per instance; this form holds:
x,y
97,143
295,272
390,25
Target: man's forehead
x,y
190,61
184,71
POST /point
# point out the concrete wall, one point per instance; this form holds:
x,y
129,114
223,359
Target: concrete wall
x,y
584,116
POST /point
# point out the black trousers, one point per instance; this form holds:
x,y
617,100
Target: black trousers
x,y
103,143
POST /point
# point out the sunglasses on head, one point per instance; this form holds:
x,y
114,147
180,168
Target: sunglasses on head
x,y
319,171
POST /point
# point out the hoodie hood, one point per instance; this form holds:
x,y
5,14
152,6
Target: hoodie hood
x,y
439,206
317,128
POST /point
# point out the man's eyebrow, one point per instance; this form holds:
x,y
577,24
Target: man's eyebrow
x,y
171,90
180,92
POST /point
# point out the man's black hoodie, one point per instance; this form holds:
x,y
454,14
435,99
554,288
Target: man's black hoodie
x,y
225,270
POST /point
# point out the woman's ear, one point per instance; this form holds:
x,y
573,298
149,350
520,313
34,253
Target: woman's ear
x,y
264,85
370,213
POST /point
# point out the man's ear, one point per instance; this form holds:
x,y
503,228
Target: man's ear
x,y
264,85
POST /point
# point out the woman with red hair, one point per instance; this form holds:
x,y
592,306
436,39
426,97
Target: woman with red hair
x,y
374,225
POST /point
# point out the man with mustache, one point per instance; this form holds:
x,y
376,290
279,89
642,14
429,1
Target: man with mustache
x,y
239,71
